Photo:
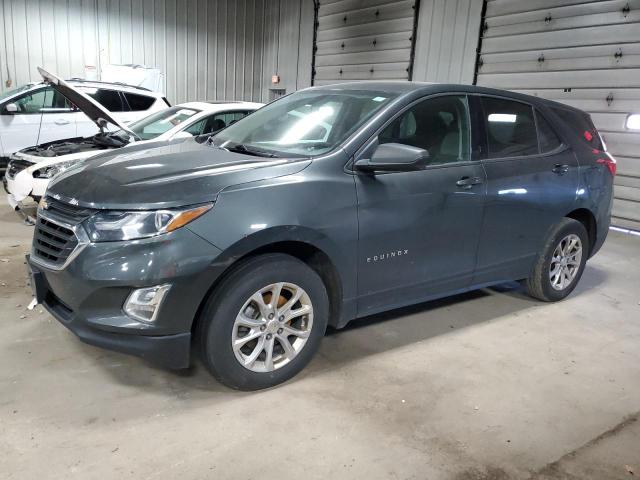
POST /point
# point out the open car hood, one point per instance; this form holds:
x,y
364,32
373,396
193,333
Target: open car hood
x,y
84,102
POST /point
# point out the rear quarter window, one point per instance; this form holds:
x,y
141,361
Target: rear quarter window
x,y
548,139
139,102
109,99
581,126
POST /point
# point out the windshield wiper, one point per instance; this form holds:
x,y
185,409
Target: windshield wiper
x,y
240,148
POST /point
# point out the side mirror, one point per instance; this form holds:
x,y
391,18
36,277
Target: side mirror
x,y
394,157
11,108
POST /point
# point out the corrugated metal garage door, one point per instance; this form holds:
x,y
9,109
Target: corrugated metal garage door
x,y
363,40
585,54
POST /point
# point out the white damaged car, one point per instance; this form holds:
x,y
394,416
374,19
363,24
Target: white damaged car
x,y
30,170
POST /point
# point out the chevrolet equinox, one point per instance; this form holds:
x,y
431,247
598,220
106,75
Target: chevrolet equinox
x,y
329,204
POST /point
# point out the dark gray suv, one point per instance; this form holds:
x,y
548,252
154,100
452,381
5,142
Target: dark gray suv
x,y
327,205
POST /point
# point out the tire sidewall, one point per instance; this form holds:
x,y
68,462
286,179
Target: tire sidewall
x,y
568,227
230,296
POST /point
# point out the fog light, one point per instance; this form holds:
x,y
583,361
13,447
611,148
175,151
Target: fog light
x,y
144,303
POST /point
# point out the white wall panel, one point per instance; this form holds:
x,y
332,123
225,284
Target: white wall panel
x,y
207,49
584,54
446,42
363,40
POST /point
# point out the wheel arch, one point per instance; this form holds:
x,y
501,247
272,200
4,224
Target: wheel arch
x,y
588,219
304,249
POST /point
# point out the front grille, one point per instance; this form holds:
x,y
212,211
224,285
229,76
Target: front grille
x,y
52,242
16,166
71,214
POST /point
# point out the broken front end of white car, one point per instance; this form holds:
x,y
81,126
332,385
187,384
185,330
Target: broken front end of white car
x,y
30,170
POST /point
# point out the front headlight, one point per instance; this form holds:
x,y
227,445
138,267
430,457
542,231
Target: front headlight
x,y
53,170
112,226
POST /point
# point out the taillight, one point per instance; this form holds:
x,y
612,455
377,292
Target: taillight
x,y
610,163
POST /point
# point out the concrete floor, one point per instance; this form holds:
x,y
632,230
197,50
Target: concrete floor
x,y
486,385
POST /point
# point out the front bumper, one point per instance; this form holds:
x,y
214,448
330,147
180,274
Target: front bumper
x,y
88,295
24,204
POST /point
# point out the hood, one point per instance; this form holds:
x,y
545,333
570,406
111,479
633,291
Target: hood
x,y
84,102
170,175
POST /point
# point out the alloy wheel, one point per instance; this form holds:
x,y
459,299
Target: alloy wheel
x,y
565,262
272,327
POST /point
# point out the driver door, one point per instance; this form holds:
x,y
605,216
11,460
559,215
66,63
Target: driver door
x,y
43,116
419,230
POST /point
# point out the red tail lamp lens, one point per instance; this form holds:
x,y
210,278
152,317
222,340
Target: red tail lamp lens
x,y
610,163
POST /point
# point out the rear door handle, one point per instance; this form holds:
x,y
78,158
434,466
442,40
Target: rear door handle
x,y
560,169
61,121
468,182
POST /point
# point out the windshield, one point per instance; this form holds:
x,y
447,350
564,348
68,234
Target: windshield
x,y
159,123
306,123
10,93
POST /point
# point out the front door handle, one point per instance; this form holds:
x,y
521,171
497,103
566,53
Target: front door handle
x,y
468,182
560,169
61,121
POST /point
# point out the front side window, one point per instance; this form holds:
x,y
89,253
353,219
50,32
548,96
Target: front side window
x,y
511,129
40,101
439,125
214,123
154,125
197,128
15,91
305,123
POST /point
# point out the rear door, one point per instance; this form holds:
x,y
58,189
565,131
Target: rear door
x,y
419,230
532,181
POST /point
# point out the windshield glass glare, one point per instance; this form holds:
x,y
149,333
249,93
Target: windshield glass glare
x,y
304,123
154,125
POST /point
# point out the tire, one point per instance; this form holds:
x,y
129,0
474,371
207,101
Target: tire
x,y
543,284
241,307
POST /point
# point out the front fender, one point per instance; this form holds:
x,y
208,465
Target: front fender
x,y
309,207
284,233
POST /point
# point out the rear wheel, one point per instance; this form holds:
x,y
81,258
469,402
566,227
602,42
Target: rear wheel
x,y
561,262
264,322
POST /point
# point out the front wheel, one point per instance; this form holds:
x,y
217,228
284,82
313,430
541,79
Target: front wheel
x,y
561,262
264,322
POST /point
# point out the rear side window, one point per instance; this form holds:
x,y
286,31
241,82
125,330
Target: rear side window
x,y
139,102
109,99
548,139
511,129
581,125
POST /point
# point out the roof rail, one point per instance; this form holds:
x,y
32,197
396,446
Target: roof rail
x,y
84,80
